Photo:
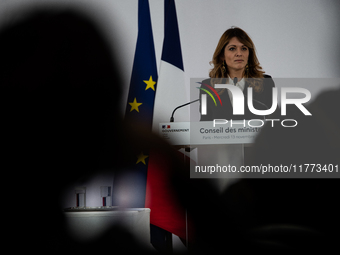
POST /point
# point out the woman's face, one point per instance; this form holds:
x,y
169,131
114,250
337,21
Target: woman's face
x,y
236,55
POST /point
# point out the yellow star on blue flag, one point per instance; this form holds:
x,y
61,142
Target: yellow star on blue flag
x,y
134,105
150,84
141,158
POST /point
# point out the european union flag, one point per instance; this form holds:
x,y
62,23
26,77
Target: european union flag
x,y
130,185
143,83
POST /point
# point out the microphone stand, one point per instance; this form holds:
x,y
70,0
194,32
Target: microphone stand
x,y
172,115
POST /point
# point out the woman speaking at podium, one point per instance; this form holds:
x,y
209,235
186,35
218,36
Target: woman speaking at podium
x,y
235,62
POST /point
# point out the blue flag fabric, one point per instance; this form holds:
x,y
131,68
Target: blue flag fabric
x,y
172,52
144,72
130,185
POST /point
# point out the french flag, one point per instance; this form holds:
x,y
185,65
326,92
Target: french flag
x,y
171,90
166,212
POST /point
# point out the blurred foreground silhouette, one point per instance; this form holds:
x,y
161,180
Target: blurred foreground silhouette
x,y
61,89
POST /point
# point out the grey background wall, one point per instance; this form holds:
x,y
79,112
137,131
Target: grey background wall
x,y
294,39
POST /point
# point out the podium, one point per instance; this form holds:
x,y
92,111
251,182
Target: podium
x,y
208,132
89,223
216,149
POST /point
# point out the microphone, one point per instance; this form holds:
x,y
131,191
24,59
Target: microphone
x,y
172,115
259,102
235,80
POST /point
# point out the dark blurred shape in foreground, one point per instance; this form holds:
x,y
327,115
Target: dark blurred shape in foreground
x,y
61,122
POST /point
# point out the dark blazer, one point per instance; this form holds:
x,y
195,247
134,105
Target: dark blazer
x,y
225,111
